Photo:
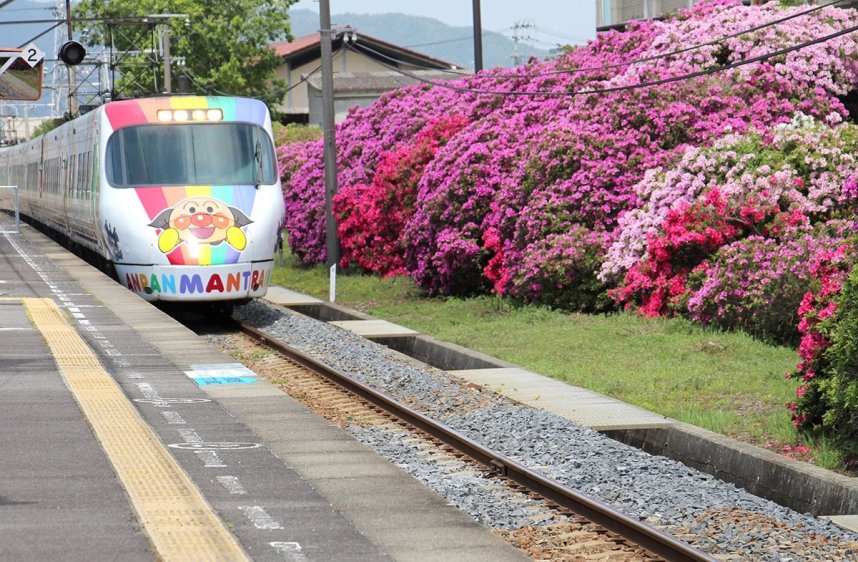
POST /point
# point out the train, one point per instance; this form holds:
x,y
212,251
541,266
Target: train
x,y
180,194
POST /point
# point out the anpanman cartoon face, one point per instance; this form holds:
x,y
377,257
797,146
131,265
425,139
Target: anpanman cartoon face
x,y
200,220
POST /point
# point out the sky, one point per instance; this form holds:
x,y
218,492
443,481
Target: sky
x,y
553,21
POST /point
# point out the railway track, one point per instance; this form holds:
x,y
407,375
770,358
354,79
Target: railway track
x,y
583,528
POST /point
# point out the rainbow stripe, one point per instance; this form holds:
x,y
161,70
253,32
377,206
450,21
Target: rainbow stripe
x,y
156,199
139,112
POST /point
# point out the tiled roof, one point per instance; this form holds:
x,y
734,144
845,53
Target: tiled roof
x,y
309,43
288,48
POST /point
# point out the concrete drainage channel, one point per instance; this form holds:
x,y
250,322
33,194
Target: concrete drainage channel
x,y
794,484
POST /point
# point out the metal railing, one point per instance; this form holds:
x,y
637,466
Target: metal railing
x,y
12,205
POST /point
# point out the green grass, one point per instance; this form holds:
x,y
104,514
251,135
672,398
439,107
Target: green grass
x,y
725,382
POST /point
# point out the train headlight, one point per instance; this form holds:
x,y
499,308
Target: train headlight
x,y
182,115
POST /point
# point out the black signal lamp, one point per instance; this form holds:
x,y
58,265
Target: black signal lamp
x,y
72,53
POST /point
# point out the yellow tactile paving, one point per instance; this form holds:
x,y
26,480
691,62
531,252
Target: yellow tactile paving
x,y
179,521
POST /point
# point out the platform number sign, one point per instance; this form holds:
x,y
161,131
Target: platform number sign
x,y
21,73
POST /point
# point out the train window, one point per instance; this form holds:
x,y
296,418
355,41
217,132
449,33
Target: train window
x,y
84,171
89,172
70,172
190,154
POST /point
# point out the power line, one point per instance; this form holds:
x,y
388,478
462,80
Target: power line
x,y
421,67
33,9
640,85
468,38
544,31
672,53
23,22
40,35
200,84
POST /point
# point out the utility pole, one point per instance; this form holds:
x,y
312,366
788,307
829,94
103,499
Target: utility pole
x,y
517,36
72,76
329,133
168,77
165,45
478,38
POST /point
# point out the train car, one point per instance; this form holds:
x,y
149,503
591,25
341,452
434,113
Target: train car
x,y
181,194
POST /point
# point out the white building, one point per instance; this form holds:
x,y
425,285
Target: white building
x,y
615,12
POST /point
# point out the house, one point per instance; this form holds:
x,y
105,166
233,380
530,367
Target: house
x,y
364,68
615,12
363,88
611,13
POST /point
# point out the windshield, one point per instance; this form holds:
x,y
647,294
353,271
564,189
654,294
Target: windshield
x,y
190,154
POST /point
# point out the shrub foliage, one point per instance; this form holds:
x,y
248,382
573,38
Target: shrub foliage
x,y
564,182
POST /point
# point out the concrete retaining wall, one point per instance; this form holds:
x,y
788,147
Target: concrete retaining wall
x,y
795,484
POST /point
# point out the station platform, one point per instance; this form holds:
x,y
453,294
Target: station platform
x,y
126,437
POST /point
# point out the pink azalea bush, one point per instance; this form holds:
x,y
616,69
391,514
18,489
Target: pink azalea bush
x,y
728,198
725,235
371,217
827,395
691,234
803,166
560,271
530,165
756,284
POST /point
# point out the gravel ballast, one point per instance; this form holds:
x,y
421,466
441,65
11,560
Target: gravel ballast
x,y
661,491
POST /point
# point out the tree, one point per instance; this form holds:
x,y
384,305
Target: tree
x,y
46,126
223,43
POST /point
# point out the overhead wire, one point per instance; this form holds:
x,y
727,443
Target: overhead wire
x,y
306,77
422,67
456,40
640,85
671,53
40,35
201,84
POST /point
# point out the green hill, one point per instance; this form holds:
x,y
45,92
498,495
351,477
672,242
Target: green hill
x,y
425,35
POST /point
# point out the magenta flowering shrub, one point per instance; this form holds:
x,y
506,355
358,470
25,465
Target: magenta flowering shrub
x,y
560,271
305,208
371,217
827,395
361,139
756,284
444,240
540,161
803,166
771,187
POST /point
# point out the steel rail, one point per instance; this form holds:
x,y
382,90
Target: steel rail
x,y
649,538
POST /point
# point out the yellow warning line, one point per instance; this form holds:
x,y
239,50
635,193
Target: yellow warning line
x,y
179,521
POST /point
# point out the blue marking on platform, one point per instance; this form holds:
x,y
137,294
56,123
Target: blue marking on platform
x,y
221,373
203,381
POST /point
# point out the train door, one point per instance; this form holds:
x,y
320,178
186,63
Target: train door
x,y
41,167
66,147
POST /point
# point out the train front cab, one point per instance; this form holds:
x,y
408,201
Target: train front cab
x,y
192,208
